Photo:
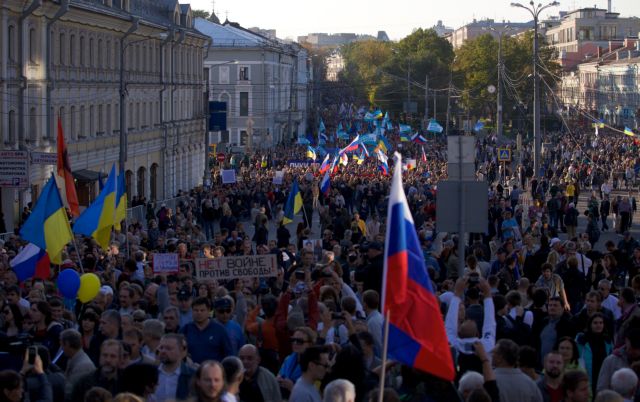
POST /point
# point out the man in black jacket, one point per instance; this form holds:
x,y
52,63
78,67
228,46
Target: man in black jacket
x,y
171,353
106,376
556,325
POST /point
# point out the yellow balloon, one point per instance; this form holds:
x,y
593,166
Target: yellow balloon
x,y
89,287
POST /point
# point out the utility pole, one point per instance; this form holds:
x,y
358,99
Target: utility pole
x,y
426,101
499,97
408,86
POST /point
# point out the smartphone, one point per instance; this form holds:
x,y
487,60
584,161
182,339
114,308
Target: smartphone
x,y
300,275
32,354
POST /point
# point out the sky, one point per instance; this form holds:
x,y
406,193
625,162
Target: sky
x,y
398,18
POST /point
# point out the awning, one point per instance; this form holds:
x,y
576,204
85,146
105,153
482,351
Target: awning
x,y
86,175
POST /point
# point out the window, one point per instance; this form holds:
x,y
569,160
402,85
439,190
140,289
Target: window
x,y
243,73
82,133
82,60
72,50
11,37
92,61
223,75
33,46
62,50
108,120
12,127
243,138
33,125
107,58
73,134
100,119
100,54
244,103
92,121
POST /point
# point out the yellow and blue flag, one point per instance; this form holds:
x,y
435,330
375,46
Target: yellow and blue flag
x,y
294,203
629,132
311,153
97,220
598,124
48,225
121,201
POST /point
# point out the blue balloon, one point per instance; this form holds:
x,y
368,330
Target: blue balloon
x,y
69,283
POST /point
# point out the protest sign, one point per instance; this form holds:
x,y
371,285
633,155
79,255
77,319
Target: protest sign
x,y
245,266
228,176
279,177
165,263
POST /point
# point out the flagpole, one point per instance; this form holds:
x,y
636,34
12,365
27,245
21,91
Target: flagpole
x,y
385,345
73,240
304,212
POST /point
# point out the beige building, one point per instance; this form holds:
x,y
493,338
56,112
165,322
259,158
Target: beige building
x,y
62,59
458,36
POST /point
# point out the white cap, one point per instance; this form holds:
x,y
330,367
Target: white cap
x,y
554,241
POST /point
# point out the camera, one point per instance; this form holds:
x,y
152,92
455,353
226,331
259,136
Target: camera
x,y
300,275
474,280
33,351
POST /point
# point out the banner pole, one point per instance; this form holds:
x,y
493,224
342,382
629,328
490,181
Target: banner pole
x,y
385,345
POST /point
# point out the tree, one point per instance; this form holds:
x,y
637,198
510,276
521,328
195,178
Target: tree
x,y
363,63
201,14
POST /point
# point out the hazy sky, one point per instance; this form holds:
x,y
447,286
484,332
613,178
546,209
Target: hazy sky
x,y
398,17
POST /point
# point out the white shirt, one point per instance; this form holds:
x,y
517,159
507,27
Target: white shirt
x,y
527,319
611,302
167,384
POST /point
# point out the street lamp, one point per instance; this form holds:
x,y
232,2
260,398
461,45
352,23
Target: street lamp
x,y
207,172
535,11
123,89
500,33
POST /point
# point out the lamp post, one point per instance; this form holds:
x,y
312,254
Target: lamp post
x,y
535,11
207,172
122,159
500,33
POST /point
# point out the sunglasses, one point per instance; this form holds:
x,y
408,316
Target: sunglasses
x,y
298,341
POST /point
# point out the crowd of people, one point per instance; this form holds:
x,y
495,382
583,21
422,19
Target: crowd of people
x,y
543,311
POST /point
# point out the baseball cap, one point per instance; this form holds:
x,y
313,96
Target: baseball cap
x,y
222,303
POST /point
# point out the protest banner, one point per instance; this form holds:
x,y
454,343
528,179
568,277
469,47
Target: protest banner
x,y
165,263
245,266
228,176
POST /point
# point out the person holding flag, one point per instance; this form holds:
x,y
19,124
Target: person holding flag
x,y
414,333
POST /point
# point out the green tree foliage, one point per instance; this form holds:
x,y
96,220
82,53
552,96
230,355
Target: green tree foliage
x,y
201,14
378,70
475,69
363,61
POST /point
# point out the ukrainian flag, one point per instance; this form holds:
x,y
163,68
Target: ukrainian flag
x,y
629,132
294,203
311,153
48,226
121,201
97,220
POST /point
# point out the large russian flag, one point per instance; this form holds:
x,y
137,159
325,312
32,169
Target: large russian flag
x,y
416,330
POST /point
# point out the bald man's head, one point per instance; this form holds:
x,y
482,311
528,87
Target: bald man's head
x,y
250,358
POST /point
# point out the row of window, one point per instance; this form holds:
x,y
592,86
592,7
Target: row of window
x,y
77,51
80,122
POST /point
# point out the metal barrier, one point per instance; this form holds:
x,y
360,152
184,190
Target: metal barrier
x,y
138,214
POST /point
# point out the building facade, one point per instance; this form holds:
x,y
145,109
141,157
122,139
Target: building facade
x,y
65,59
608,90
335,64
476,28
264,83
588,32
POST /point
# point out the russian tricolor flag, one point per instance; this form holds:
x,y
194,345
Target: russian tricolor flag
x,y
31,262
417,336
325,164
325,185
